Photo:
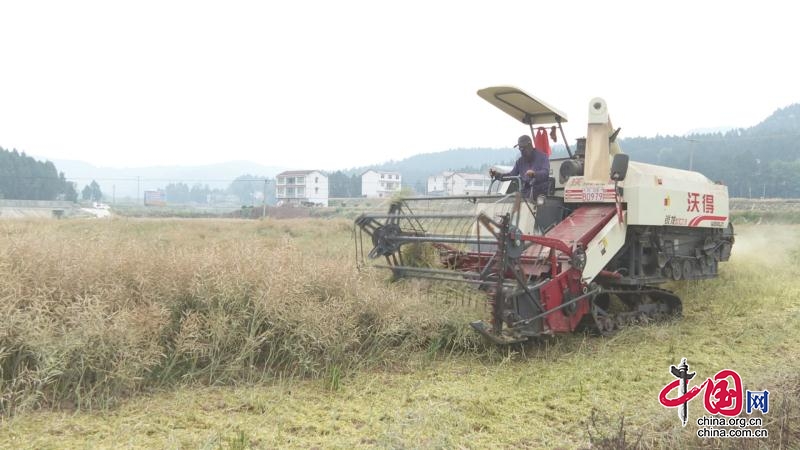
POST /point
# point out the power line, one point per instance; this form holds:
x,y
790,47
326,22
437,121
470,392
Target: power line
x,y
736,137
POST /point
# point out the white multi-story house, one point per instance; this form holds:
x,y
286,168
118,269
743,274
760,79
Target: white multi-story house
x,y
436,183
305,187
458,183
470,183
380,184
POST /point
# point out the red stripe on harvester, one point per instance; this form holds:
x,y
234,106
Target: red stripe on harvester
x,y
696,221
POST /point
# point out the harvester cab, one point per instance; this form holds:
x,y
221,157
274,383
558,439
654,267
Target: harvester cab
x,y
537,115
588,255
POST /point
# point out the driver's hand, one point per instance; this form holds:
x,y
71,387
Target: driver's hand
x,y
492,173
530,174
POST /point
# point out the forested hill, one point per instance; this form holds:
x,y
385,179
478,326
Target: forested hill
x,y
763,159
24,178
752,161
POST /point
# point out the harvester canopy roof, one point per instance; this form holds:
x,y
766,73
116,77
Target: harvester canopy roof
x,y
522,106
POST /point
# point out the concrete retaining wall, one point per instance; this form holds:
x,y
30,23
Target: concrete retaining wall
x,y
21,209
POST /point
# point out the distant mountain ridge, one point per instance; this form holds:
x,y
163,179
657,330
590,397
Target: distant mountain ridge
x,y
131,182
762,160
783,120
762,156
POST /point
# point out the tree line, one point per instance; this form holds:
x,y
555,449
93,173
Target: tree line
x,y
24,178
246,189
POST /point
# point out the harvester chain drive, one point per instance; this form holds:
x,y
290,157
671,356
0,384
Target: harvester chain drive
x,y
634,306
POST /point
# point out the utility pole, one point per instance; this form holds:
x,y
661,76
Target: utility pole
x,y
264,208
138,188
691,152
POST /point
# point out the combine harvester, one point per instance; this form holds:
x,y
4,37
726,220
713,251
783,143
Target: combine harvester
x,y
588,255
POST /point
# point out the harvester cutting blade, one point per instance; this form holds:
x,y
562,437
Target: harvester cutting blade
x,y
505,338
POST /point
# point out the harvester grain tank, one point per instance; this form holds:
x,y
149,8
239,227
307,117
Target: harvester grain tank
x,y
591,253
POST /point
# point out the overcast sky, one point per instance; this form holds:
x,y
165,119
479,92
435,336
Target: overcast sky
x,y
336,84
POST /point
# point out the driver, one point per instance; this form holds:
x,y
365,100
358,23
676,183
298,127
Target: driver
x,y
533,167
